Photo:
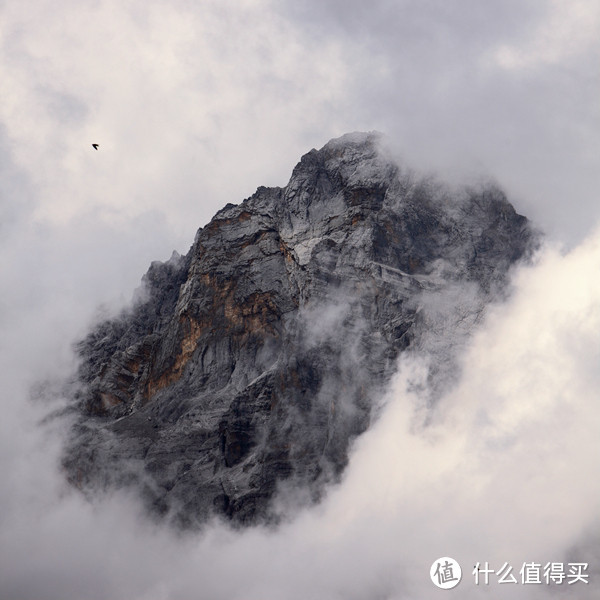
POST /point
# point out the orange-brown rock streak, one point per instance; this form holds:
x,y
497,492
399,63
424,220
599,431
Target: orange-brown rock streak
x,y
192,331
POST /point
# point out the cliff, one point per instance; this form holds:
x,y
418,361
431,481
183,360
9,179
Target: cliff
x,y
251,363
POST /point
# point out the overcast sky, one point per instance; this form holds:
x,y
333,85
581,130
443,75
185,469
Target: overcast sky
x,y
195,104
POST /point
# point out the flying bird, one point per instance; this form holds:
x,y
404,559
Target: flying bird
x,y
95,146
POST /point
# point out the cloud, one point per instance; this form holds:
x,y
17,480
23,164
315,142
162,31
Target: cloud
x,y
436,78
180,96
568,32
177,97
502,471
194,105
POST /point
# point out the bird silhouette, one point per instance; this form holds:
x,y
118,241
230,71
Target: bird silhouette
x,y
95,146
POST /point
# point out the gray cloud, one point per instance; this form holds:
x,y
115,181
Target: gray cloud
x,y
504,88
194,105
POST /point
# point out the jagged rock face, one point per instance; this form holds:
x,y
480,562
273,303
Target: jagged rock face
x,y
253,361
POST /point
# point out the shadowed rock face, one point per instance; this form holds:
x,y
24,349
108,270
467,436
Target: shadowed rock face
x,y
253,361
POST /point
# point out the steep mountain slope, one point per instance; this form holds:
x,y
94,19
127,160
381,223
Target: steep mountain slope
x,y
253,361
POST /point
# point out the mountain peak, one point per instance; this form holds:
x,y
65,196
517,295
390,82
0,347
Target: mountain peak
x,y
353,147
252,362
348,147
353,159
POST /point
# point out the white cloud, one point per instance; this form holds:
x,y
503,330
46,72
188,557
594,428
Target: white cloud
x,y
504,471
195,105
569,31
181,95
176,96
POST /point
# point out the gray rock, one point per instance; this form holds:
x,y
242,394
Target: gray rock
x,y
251,363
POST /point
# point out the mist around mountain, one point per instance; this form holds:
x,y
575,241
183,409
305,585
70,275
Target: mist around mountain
x,y
479,443
196,104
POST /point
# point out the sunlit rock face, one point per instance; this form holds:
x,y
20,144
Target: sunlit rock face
x,y
250,364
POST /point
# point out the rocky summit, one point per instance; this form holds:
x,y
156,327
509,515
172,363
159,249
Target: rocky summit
x,y
244,370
